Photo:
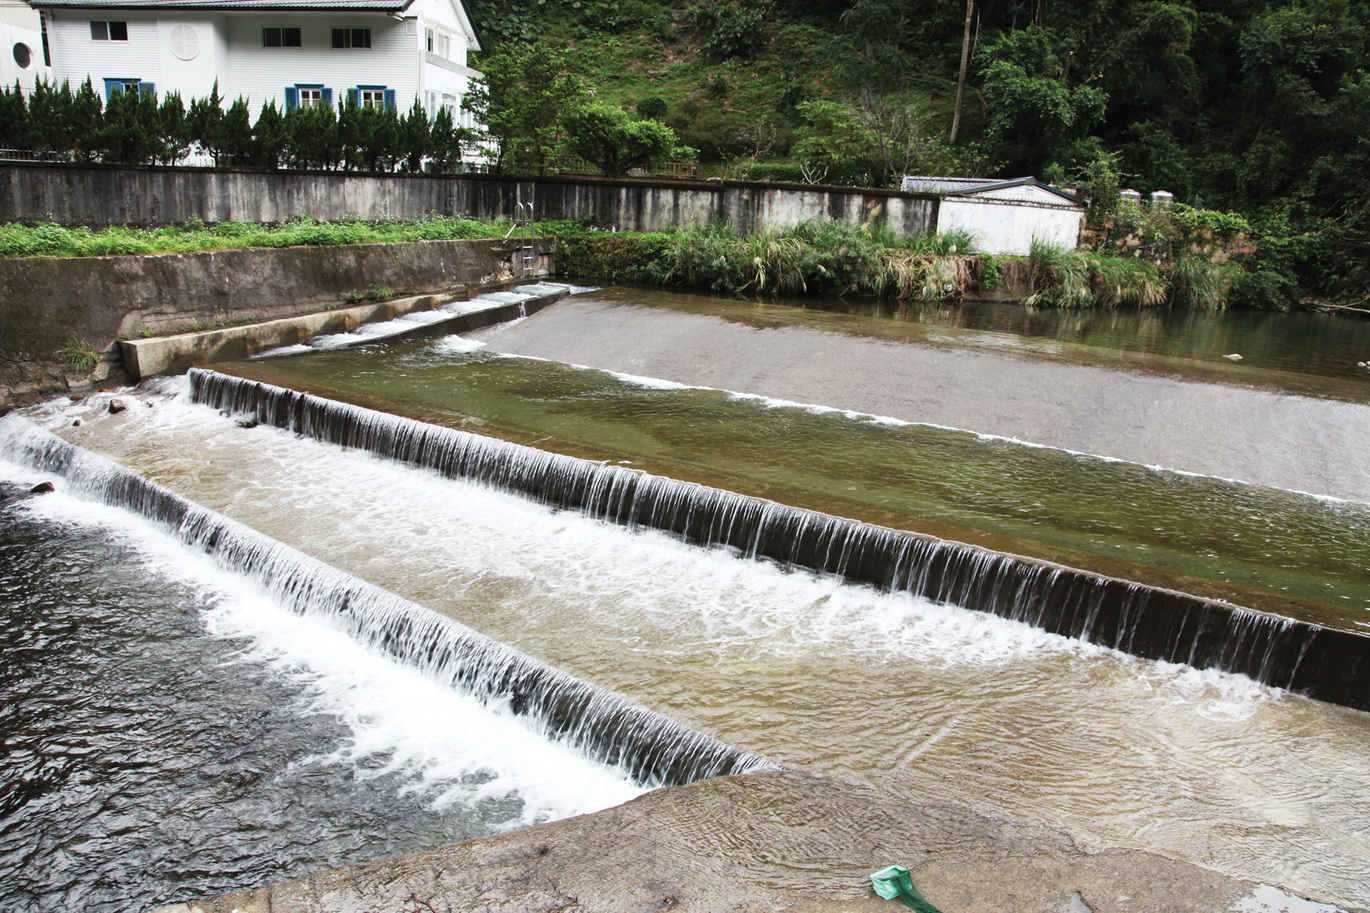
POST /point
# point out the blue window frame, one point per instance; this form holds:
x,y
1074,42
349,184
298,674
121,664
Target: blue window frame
x,y
114,85
371,97
308,95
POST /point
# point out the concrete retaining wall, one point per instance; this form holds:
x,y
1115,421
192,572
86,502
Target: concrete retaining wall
x,y
101,195
45,303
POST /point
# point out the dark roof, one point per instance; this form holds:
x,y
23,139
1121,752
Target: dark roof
x,y
377,6
965,187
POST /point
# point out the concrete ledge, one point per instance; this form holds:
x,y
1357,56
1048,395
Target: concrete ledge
x,y
177,354
766,842
47,304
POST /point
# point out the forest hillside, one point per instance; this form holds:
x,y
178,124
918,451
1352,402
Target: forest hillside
x,y
1260,107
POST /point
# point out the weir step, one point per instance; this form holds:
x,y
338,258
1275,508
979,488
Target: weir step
x,y
1148,622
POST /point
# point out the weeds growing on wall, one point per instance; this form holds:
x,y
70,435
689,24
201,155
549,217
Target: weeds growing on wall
x,y
79,355
48,240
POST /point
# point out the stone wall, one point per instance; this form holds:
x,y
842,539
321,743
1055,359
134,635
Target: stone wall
x,y
109,195
50,304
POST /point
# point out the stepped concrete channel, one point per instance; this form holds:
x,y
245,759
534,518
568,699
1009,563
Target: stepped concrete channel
x,y
772,840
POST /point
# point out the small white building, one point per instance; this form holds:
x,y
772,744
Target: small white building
x,y
1003,216
21,46
293,52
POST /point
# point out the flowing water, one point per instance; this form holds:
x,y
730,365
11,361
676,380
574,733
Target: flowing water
x,y
1256,546
1304,352
930,700
172,731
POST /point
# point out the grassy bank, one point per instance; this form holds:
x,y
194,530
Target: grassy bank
x,y
816,257
826,258
48,240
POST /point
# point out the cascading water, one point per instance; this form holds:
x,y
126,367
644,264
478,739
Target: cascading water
x,y
928,701
651,748
1152,623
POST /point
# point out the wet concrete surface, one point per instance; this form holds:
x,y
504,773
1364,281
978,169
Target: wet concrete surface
x,y
1235,432
766,842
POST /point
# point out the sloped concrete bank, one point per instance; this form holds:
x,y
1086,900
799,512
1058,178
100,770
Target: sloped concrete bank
x,y
53,311
402,318
766,842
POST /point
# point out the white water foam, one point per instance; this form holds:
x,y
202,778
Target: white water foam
x,y
456,345
447,747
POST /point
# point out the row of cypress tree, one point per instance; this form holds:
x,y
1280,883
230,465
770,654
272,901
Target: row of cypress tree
x,y
132,128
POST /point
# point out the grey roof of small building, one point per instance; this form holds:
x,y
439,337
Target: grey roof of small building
x,y
377,6
971,186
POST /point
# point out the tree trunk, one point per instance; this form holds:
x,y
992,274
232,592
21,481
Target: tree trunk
x,y
965,65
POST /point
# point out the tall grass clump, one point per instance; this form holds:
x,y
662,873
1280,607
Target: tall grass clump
x,y
819,257
1127,281
1058,277
1197,283
949,244
710,258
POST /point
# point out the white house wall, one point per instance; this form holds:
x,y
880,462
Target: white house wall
x,y
13,33
193,77
260,74
75,55
1008,228
231,52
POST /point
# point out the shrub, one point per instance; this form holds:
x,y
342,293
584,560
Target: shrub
x,y
1058,277
1197,283
776,173
1260,290
1127,280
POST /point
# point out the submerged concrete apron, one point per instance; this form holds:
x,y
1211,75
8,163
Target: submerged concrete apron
x,y
764,842
1293,442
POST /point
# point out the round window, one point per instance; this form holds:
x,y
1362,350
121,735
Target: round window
x,y
185,42
23,55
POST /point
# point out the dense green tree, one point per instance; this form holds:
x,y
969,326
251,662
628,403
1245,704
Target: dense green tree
x,y
84,113
312,137
612,141
235,139
1036,116
129,134
369,136
173,129
525,94
270,137
206,122
14,119
415,138
446,142
49,111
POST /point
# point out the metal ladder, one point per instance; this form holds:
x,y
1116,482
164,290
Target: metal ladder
x,y
523,254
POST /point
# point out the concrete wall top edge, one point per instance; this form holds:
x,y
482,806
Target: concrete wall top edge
x,y
701,184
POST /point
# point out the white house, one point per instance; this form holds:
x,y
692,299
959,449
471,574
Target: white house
x,y
21,46
295,52
1003,216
